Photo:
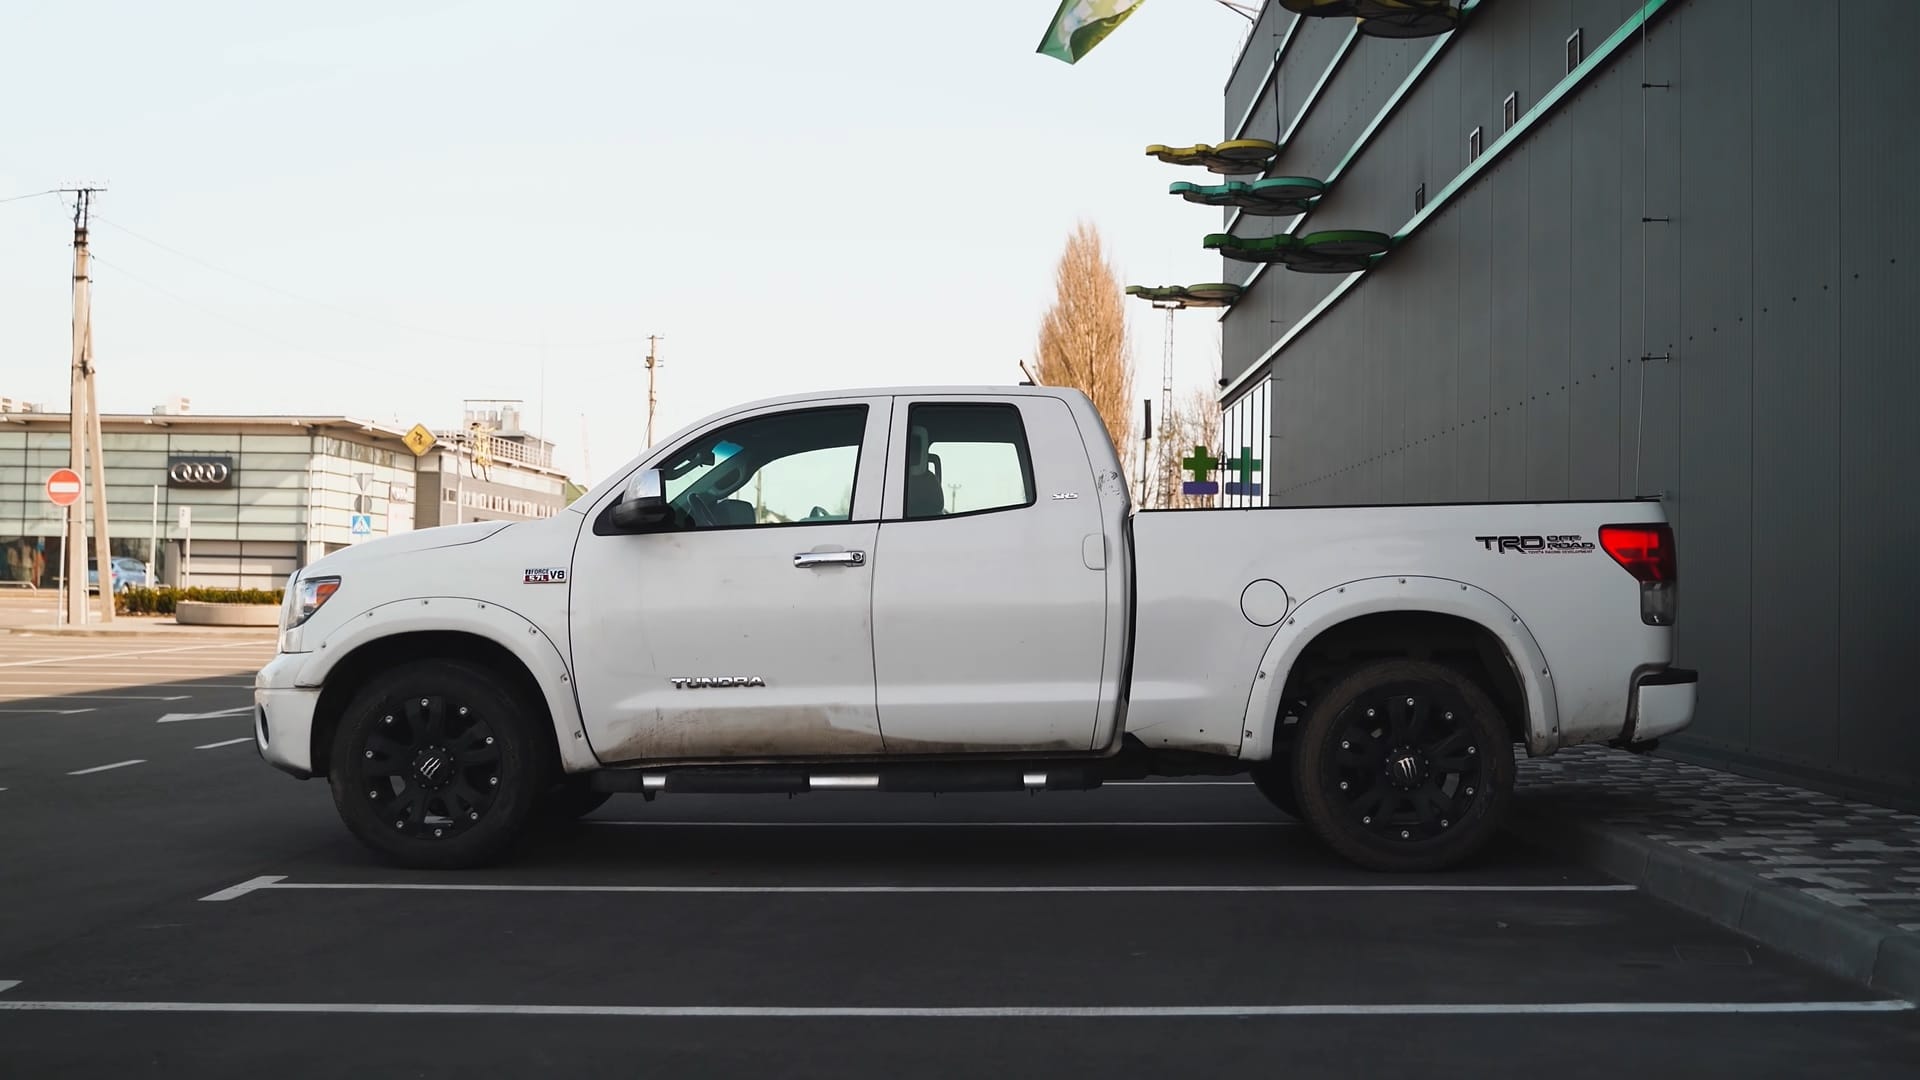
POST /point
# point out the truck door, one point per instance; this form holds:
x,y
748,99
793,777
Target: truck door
x,y
989,608
744,630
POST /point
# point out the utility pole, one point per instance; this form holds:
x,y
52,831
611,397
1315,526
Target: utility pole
x,y
653,361
83,429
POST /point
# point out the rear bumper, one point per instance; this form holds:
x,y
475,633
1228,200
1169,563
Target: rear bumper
x,y
1662,704
283,716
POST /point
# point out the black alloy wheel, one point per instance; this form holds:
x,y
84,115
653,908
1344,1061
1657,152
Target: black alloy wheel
x,y
435,764
1404,765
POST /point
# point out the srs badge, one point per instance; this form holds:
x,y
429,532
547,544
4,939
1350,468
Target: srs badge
x,y
550,575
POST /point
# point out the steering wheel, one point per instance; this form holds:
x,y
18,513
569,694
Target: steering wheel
x,y
700,508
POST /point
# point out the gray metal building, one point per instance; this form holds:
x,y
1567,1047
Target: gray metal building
x,y
1641,248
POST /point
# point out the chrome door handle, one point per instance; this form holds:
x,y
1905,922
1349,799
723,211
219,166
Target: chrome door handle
x,y
830,558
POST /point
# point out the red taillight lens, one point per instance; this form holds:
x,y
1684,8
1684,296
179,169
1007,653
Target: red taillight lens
x,y
1645,550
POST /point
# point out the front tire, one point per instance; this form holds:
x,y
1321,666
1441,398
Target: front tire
x,y
1404,766
436,765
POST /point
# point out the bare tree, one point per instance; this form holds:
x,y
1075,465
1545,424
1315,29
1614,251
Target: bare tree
x,y
1195,421
1083,339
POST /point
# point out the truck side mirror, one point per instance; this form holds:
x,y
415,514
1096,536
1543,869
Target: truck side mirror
x,y
643,506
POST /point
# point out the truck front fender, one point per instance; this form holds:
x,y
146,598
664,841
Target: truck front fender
x,y
1381,595
543,658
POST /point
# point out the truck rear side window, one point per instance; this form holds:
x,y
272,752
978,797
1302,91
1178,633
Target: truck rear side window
x,y
966,458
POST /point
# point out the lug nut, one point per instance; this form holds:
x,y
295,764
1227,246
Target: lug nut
x,y
1470,749
387,720
1369,712
1449,716
1364,820
463,710
1409,701
373,794
494,780
399,824
369,753
1404,834
473,815
1469,791
1343,785
423,702
490,741
436,832
1444,823
1345,745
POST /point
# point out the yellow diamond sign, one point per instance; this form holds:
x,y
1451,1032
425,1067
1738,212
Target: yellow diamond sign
x,y
419,439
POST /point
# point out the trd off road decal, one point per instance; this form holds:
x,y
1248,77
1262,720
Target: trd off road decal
x,y
548,575
1537,545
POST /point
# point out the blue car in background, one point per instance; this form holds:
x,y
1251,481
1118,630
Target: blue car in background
x,y
127,570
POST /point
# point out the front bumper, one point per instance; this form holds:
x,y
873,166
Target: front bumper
x,y
283,715
1662,704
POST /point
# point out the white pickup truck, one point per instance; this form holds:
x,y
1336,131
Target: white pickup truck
x,y
946,589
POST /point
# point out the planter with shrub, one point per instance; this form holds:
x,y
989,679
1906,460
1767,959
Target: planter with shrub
x,y
205,607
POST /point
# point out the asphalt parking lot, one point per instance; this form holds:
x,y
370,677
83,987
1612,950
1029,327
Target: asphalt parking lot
x,y
175,906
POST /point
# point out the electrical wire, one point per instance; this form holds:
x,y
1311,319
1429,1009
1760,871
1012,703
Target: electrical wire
x,y
360,315
29,195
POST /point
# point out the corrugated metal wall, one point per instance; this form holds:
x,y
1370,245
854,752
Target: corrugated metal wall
x,y
1496,355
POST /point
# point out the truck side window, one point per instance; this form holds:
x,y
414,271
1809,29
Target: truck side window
x,y
966,458
786,468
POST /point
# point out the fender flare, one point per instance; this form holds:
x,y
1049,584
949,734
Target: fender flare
x,y
486,619
1373,596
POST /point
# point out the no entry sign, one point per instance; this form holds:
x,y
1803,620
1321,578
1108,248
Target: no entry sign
x,y
63,487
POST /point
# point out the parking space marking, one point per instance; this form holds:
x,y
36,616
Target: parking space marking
x,y
1177,783
229,742
966,1012
104,768
265,883
88,696
75,658
43,712
948,824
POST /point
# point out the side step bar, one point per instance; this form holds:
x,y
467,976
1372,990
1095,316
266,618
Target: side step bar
x,y
794,780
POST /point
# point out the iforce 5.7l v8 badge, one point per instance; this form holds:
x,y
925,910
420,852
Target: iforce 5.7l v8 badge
x,y
550,575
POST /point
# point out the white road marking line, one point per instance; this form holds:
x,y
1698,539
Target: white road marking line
x,y
1177,783
70,659
229,742
104,768
176,717
97,697
7,984
44,712
244,887
948,824
891,1012
262,884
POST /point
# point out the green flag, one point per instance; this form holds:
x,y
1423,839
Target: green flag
x,y
1079,25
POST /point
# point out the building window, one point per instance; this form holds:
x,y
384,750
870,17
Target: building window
x,y
1420,198
1473,145
1576,51
1510,111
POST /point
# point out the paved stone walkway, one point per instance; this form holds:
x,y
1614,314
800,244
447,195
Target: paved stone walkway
x,y
1859,857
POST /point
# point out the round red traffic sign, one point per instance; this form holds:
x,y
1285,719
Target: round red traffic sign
x,y
63,487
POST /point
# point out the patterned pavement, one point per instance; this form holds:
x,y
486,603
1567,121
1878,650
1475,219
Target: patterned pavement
x,y
1860,857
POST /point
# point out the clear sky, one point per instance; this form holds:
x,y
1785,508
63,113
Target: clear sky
x,y
380,209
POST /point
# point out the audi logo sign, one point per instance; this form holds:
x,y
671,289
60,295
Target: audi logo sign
x,y
199,472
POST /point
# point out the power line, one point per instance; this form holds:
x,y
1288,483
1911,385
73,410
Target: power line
x,y
356,314
30,195
230,321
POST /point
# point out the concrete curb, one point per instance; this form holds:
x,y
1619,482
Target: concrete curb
x,y
142,632
1831,938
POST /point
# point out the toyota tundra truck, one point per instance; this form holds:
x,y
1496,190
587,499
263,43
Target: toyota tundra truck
x,y
948,590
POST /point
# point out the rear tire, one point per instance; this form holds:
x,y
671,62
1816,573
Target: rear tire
x,y
436,764
1404,766
1274,779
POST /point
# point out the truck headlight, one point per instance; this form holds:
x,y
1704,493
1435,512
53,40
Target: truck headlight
x,y
311,594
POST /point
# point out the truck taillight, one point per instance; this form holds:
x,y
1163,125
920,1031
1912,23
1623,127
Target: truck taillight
x,y
1647,552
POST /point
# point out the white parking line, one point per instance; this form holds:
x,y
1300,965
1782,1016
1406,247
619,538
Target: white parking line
x,y
96,697
70,659
104,768
229,742
1178,783
280,882
893,1012
43,712
949,824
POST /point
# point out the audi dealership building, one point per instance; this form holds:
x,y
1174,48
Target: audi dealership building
x,y
243,501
